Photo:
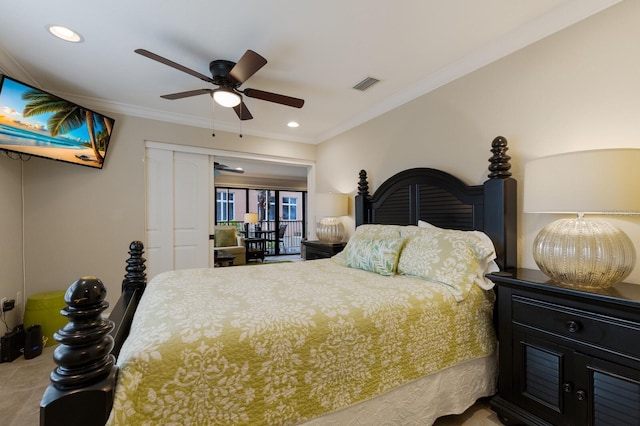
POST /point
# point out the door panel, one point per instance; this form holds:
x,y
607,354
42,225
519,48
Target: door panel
x,y
177,210
159,214
191,207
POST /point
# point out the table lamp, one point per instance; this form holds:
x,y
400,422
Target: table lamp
x,y
248,219
584,251
330,207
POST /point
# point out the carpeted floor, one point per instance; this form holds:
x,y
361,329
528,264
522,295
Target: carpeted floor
x,y
22,383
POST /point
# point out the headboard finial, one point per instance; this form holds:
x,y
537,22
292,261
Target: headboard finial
x,y
499,163
135,276
363,185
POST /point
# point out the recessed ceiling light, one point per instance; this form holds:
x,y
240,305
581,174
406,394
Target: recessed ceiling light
x,y
293,124
65,33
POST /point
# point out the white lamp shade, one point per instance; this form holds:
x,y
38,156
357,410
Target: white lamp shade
x,y
331,204
605,181
251,218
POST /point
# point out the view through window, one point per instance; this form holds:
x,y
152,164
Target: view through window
x,y
280,216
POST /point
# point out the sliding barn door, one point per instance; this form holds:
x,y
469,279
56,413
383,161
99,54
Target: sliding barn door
x,y
178,189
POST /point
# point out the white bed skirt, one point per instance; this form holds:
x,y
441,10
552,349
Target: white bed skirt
x,y
421,402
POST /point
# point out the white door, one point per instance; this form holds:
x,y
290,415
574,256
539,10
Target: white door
x,y
177,210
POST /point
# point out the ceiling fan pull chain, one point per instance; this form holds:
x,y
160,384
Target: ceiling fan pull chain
x,y
213,117
241,106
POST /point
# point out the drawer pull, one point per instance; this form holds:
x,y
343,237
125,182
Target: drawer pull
x,y
567,387
573,326
581,395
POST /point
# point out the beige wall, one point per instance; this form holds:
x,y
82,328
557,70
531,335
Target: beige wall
x,y
10,235
576,90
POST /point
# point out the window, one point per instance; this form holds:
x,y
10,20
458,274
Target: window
x,y
289,208
225,206
272,206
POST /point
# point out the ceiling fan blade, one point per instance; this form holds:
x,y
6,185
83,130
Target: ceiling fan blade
x,y
225,168
274,97
242,111
247,66
172,64
187,94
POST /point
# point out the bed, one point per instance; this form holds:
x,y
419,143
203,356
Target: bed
x,y
371,335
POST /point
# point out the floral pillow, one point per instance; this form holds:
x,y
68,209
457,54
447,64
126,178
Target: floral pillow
x,y
484,267
371,231
368,232
374,255
450,257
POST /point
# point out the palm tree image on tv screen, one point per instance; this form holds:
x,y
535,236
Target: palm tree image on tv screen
x,y
34,122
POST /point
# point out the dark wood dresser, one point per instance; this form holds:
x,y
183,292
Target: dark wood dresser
x,y
568,356
319,250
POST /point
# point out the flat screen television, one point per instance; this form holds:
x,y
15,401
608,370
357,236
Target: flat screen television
x,y
34,122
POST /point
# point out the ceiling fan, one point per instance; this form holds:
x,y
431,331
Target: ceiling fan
x,y
219,167
228,76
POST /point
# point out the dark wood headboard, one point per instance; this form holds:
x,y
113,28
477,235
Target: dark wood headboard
x,y
445,201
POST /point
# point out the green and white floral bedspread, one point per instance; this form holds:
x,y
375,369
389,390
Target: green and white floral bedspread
x,y
283,343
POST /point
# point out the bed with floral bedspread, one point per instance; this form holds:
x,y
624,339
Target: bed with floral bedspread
x,y
290,342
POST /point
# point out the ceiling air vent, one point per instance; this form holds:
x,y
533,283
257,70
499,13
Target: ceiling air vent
x,y
366,83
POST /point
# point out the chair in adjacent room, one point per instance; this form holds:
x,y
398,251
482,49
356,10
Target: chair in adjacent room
x,y
226,238
279,239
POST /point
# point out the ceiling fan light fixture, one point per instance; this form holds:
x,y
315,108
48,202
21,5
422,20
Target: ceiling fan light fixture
x,y
226,97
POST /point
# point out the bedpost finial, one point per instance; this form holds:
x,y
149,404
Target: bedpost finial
x,y
83,356
363,185
499,163
135,276
86,292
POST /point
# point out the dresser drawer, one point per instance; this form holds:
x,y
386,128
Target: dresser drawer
x,y
584,326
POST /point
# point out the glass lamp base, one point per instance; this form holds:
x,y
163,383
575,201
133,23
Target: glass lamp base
x,y
584,252
330,230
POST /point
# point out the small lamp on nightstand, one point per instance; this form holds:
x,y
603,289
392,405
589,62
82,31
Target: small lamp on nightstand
x,y
580,251
331,206
249,218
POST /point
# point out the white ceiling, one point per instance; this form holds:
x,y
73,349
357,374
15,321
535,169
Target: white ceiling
x,y
317,50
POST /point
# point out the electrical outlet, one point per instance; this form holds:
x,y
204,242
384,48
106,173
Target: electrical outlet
x,y
19,299
8,305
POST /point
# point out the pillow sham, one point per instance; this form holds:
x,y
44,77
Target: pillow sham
x,y
450,257
374,255
484,268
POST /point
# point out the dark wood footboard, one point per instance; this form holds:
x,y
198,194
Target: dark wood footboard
x,y
83,383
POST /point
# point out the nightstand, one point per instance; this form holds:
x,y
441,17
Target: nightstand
x,y
320,250
568,355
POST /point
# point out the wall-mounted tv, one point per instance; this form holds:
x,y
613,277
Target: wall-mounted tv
x,y
35,122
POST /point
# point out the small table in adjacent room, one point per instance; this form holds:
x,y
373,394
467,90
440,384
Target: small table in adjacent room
x,y
255,248
223,258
